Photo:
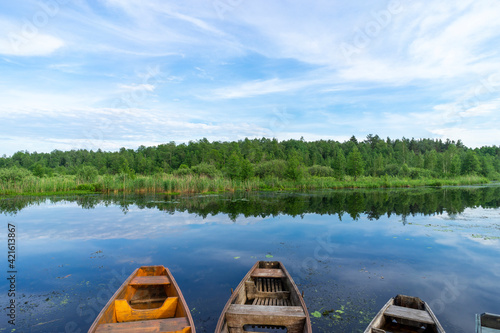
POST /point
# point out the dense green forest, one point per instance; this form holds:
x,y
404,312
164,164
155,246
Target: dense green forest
x,y
263,159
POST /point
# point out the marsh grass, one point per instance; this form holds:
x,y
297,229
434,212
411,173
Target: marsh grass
x,y
168,183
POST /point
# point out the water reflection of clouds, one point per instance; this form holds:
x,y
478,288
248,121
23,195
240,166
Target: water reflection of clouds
x,y
443,268
139,260
381,257
102,222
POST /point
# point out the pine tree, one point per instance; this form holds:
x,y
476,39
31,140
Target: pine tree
x,y
355,163
338,165
234,166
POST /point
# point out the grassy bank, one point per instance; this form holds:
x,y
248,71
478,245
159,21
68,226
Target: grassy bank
x,y
167,183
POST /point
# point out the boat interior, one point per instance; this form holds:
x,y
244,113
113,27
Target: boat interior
x,y
148,302
266,302
406,315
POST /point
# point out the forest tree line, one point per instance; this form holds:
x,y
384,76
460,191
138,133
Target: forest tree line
x,y
289,159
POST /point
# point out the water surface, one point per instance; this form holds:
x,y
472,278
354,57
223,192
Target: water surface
x,y
349,251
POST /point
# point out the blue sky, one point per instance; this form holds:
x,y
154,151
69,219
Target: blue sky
x,y
121,73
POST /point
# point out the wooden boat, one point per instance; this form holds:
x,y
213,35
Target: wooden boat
x,y
487,323
266,298
405,314
148,301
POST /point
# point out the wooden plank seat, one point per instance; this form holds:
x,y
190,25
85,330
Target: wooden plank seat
x,y
489,320
401,312
124,312
238,315
268,273
150,280
271,301
170,325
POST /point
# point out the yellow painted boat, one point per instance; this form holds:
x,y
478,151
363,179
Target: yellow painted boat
x,y
148,301
266,298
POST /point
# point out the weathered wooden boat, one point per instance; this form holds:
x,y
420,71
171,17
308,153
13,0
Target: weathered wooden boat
x,y
487,323
405,314
148,301
267,300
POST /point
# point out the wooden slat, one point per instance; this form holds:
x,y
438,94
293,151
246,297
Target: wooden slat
x,y
264,311
238,315
153,326
150,280
148,300
268,273
401,312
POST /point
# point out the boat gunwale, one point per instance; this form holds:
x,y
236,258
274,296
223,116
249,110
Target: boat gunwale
x,y
173,283
222,318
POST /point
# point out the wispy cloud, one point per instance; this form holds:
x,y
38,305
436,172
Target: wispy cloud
x,y
419,69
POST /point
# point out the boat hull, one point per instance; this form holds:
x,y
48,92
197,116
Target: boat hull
x,y
266,297
405,314
148,301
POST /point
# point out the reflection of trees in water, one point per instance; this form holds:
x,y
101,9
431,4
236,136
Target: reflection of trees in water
x,y
373,203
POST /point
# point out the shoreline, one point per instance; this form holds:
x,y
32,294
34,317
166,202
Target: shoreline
x,y
167,184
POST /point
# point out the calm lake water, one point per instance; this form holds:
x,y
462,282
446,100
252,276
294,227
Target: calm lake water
x,y
348,250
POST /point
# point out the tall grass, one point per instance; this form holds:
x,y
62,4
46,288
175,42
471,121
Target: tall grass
x,y
168,183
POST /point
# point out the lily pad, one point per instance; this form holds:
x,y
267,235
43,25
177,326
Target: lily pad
x,y
316,314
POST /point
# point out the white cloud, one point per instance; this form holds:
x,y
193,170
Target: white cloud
x,y
15,44
27,38
256,88
471,137
135,87
284,54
